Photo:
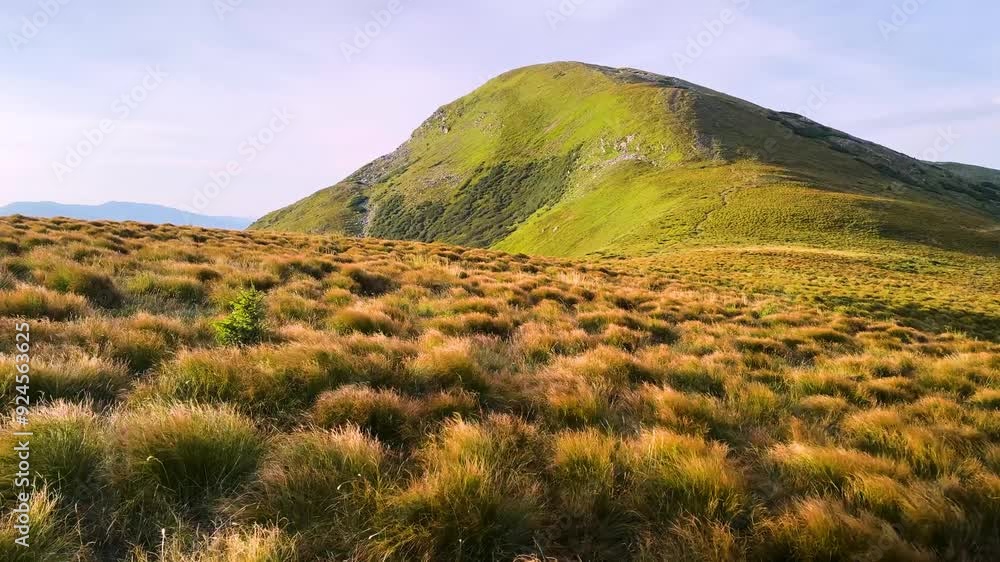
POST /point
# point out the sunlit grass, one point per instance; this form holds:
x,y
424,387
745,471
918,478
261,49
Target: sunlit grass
x,y
428,402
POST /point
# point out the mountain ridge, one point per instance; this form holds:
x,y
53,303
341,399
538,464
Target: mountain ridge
x,y
571,159
123,211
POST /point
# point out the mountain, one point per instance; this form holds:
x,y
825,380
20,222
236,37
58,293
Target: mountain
x,y
570,159
976,174
118,211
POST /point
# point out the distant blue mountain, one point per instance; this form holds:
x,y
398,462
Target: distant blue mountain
x,y
118,211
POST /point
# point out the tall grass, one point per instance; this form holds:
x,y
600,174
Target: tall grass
x,y
424,402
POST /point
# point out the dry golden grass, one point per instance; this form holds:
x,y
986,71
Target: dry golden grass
x,y
424,402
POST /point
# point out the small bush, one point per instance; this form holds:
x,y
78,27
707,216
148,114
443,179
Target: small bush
x,y
245,324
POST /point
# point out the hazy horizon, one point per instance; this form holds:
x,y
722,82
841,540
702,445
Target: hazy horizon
x,y
271,103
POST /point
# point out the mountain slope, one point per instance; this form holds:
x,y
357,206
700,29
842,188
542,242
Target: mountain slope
x,y
571,159
119,211
976,174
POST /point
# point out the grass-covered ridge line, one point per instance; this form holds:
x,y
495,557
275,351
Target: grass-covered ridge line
x,y
411,401
575,160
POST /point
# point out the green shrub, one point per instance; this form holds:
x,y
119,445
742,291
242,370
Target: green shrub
x,y
245,324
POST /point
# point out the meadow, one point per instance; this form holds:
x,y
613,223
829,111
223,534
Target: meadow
x,y
219,396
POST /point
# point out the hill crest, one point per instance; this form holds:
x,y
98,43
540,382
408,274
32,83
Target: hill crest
x,y
572,159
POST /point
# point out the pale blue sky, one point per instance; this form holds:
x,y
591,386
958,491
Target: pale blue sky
x,y
936,75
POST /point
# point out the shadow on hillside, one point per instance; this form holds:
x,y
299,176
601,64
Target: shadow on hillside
x,y
975,324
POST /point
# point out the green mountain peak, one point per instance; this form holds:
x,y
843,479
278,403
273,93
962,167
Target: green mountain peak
x,y
571,159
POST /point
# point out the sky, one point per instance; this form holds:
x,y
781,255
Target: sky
x,y
240,107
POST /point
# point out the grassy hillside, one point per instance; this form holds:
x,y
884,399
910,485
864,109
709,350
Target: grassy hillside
x,y
410,401
976,174
574,160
